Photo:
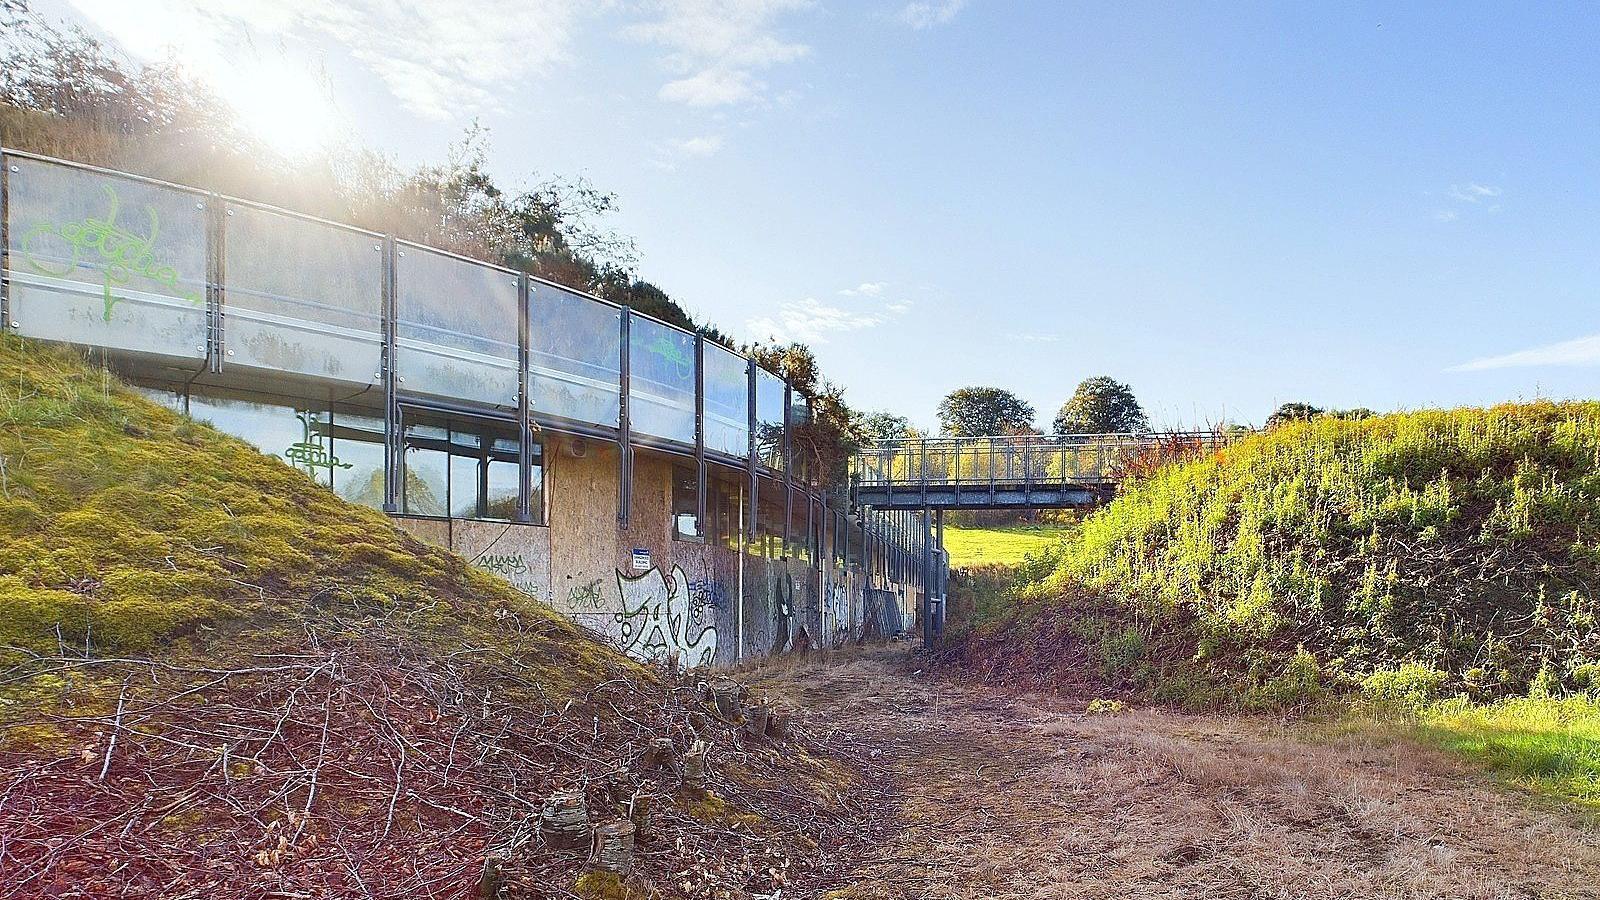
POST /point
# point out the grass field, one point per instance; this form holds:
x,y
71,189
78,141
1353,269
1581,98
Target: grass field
x,y
1004,545
1551,746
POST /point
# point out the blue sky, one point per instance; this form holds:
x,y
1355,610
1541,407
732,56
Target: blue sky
x,y
1226,205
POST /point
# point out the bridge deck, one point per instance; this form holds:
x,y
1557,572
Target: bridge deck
x,y
1011,472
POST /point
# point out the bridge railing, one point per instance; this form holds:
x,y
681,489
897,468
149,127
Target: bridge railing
x,y
1028,461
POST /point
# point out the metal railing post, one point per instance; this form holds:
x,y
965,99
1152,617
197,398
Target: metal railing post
x,y
700,434
524,402
624,429
392,463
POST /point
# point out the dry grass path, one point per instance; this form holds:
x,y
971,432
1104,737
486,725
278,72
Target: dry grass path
x,y
1006,796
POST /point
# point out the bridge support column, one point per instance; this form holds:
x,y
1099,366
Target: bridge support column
x,y
930,606
941,570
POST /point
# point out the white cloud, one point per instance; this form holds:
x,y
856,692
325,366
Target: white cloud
x,y
1033,337
1584,351
865,289
439,58
924,14
1446,215
811,320
715,47
705,145
1473,192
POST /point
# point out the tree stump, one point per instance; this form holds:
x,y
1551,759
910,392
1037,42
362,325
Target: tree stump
x,y
694,767
725,693
778,725
564,820
612,849
661,755
756,719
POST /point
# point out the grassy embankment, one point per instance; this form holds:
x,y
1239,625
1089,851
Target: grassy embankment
x,y
1442,565
268,689
998,545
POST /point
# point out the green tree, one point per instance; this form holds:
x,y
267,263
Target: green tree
x,y
981,411
1293,412
885,428
1100,405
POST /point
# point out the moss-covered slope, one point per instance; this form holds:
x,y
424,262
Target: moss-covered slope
x,y
1464,541
125,527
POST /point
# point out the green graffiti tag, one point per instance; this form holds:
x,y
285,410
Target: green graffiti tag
x,y
309,450
102,243
665,348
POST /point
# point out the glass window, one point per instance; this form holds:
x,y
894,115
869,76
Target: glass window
x,y
685,504
298,435
425,487
476,463
466,471
769,419
358,444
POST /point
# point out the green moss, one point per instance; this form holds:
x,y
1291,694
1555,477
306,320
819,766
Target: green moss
x,y
600,885
124,526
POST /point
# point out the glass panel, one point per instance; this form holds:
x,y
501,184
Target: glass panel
x,y
298,436
424,489
106,261
358,443
464,460
661,381
685,503
502,498
575,352
727,421
302,296
769,419
456,326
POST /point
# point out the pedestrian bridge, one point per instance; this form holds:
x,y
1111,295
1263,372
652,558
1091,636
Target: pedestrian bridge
x,y
1013,471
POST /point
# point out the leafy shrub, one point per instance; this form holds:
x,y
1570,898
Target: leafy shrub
x,y
1411,684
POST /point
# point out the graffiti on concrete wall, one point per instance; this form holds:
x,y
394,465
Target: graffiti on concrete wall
x,y
586,597
660,615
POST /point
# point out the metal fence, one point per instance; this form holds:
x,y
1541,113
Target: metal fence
x,y
1026,461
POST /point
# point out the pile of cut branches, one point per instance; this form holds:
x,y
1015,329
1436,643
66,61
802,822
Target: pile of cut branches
x,y
355,762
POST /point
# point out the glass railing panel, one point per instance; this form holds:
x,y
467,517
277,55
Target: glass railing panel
x,y
302,296
769,419
727,387
106,261
574,356
661,377
456,327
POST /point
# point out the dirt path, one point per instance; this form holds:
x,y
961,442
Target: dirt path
x,y
1022,796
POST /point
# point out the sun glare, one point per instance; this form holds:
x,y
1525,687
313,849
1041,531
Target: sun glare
x,y
286,106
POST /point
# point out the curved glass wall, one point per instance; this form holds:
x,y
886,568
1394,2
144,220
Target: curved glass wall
x,y
660,381
574,356
107,261
727,387
456,325
303,296
769,419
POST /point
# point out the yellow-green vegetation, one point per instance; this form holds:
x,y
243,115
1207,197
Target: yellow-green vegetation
x,y
1005,545
127,528
1467,541
1441,563
603,885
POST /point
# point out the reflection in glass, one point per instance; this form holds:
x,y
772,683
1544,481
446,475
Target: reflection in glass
x,y
769,419
358,442
425,487
298,436
727,388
